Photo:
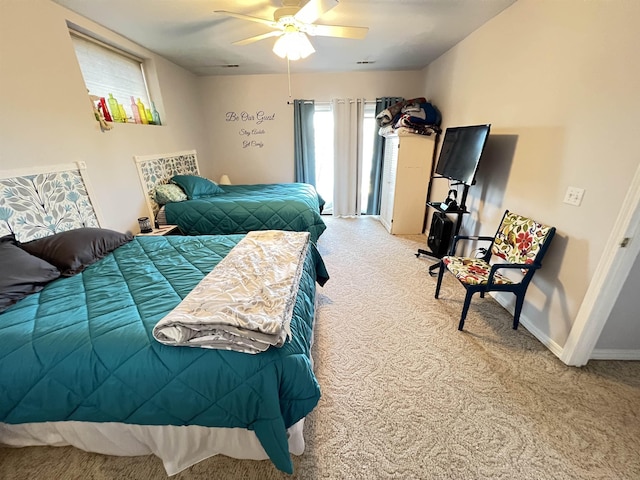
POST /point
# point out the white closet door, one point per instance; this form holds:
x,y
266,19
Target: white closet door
x,y
406,172
387,193
412,180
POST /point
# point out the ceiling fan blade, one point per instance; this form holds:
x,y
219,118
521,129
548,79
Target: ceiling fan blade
x,y
337,31
313,9
271,23
246,41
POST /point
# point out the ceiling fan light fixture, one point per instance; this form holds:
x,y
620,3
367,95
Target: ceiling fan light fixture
x,y
293,45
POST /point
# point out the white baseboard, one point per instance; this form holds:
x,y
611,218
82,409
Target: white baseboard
x,y
503,300
507,302
608,354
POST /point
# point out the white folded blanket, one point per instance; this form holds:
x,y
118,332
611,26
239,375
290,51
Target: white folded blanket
x,y
246,302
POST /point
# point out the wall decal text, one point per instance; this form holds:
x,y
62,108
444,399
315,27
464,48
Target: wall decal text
x,y
246,132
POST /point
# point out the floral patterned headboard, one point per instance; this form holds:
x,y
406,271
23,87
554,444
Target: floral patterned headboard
x,y
155,170
52,200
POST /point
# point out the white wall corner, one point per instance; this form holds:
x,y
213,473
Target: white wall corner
x,y
610,275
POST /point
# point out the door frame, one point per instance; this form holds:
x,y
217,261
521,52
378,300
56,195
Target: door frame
x,y
609,277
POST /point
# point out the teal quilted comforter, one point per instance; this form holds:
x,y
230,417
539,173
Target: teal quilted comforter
x,y
243,208
82,349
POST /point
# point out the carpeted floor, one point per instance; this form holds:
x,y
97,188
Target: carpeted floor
x,y
407,396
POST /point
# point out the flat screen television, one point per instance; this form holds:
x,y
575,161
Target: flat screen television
x,y
461,151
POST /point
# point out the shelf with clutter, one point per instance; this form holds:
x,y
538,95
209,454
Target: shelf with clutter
x,y
408,117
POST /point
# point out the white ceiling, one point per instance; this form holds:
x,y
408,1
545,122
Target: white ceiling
x,y
403,34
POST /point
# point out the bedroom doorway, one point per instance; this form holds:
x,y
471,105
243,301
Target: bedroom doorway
x,y
323,120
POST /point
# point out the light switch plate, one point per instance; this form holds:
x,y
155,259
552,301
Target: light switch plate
x,y
574,196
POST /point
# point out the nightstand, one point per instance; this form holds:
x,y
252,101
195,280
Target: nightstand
x,y
163,230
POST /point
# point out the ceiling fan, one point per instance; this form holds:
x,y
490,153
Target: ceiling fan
x,y
293,22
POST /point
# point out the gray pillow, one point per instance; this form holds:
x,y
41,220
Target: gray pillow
x,y
22,273
74,250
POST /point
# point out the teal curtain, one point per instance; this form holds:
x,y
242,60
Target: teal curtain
x,y
304,143
377,167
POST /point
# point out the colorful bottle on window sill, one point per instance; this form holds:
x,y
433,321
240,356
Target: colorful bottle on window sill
x,y
123,114
115,110
155,114
142,113
105,110
134,110
147,113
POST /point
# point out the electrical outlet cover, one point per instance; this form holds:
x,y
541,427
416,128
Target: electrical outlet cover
x,y
574,196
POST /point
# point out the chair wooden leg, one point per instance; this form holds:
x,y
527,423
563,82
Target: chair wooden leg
x,y
465,309
518,309
440,275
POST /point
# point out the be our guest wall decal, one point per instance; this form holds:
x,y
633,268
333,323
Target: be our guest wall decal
x,y
252,129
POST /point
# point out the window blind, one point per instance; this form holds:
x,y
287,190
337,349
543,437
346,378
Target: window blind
x,y
106,70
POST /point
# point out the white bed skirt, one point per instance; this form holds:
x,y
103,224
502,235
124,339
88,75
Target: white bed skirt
x,y
178,447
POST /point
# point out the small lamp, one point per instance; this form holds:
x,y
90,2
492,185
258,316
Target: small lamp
x,y
224,180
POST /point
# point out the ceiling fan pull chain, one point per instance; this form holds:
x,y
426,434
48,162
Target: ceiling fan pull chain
x,y
289,77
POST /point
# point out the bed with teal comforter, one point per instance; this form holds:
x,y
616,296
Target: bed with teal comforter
x,y
243,208
82,349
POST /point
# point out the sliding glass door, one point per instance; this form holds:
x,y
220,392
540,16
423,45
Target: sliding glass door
x,y
325,158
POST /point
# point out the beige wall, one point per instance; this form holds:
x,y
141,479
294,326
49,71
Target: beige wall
x,y
270,159
46,117
558,81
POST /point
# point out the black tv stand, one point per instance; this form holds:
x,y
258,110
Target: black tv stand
x,y
459,212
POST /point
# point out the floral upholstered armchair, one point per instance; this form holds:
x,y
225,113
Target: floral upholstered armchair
x,y
519,244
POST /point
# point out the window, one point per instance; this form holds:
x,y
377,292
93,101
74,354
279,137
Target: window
x,y
323,130
369,131
114,74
